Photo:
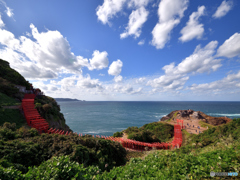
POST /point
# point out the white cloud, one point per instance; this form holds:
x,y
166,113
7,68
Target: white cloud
x,y
125,89
142,42
161,33
115,68
109,9
137,3
140,80
223,9
118,78
202,60
230,82
231,47
170,13
136,20
1,22
48,54
8,39
99,60
193,29
26,68
9,12
87,82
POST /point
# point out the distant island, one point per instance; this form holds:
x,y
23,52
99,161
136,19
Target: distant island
x,y
66,99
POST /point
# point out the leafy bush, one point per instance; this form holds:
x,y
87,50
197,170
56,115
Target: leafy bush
x,y
118,134
27,148
10,173
62,168
172,165
12,116
152,132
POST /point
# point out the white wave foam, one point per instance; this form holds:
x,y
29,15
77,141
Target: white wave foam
x,y
218,114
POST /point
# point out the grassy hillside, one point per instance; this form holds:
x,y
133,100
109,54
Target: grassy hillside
x,y
12,116
7,101
217,149
23,148
11,75
152,132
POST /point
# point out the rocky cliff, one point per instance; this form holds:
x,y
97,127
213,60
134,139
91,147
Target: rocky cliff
x,y
195,115
47,106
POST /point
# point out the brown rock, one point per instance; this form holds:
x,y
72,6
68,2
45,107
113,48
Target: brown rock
x,y
195,115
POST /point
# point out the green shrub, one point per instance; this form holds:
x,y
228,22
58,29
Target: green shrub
x,y
152,132
10,173
118,134
62,168
27,148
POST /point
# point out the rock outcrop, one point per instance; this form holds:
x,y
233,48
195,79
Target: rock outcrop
x,y
195,115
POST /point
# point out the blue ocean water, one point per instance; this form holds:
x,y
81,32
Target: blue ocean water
x,y
105,118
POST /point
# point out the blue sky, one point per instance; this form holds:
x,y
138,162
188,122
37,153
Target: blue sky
x,y
125,50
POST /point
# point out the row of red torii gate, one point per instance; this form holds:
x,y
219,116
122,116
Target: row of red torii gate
x,y
36,121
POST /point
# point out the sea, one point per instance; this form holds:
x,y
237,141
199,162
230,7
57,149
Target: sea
x,y
105,118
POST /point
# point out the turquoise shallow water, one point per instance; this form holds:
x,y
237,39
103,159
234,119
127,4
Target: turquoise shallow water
x,y
105,118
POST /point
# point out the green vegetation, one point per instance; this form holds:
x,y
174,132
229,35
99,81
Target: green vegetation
x,y
12,116
11,75
7,101
118,134
7,88
203,124
23,148
152,132
50,110
56,156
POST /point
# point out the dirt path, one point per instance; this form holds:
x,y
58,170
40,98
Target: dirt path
x,y
125,136
191,125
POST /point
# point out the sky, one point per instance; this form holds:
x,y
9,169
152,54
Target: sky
x,y
125,50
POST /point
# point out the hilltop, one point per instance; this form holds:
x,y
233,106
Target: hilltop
x,y
12,88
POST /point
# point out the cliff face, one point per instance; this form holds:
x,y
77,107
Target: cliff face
x,y
47,106
50,110
195,115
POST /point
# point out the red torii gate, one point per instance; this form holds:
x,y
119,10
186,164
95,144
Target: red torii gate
x,y
180,121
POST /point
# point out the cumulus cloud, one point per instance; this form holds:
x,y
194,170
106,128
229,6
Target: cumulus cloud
x,y
140,80
170,13
231,47
142,42
115,68
87,82
136,20
228,83
99,60
202,60
26,68
137,3
109,9
1,22
8,39
118,78
48,54
125,89
223,9
193,29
